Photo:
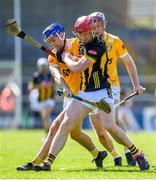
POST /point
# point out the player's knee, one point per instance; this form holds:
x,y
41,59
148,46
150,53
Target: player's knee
x,y
100,133
119,122
65,126
53,128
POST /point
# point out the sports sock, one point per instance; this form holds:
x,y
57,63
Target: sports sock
x,y
134,150
126,150
50,159
115,154
36,160
94,153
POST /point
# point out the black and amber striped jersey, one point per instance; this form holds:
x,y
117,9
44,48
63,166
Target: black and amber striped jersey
x,y
45,85
95,77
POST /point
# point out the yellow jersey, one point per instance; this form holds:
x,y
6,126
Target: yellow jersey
x,y
116,49
70,77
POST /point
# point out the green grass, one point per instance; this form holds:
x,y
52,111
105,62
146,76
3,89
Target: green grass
x,y
18,147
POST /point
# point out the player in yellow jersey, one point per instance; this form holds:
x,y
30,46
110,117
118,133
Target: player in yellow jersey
x,y
116,50
94,86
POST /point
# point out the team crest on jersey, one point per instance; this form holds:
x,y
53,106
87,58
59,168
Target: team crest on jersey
x,y
92,52
50,60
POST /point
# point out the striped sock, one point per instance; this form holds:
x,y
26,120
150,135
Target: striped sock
x,y
50,159
134,150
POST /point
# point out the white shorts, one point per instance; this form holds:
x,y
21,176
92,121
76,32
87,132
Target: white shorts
x,y
67,101
95,96
116,94
91,96
116,98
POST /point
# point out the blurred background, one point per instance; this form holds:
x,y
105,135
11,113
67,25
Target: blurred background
x,y
133,20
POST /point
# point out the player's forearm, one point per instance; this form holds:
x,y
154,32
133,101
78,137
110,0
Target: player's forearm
x,y
74,66
78,66
132,71
55,73
57,76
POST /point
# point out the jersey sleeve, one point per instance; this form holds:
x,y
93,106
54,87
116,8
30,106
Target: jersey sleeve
x,y
121,49
92,54
52,60
95,50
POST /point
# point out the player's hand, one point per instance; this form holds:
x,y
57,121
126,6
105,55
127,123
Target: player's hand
x,y
66,91
139,89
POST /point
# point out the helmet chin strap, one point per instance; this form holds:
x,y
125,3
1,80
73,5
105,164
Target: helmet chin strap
x,y
93,34
75,34
61,38
64,35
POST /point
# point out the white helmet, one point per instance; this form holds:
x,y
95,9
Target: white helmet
x,y
42,61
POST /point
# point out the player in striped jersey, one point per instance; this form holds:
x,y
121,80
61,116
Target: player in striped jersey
x,y
43,83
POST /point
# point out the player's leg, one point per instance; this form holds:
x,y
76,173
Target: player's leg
x,y
45,114
83,139
43,152
121,136
77,134
72,117
118,121
45,119
129,157
105,139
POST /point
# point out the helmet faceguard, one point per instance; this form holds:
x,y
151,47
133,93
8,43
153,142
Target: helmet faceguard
x,y
52,31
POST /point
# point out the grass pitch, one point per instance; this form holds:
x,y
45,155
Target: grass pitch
x,y
20,146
